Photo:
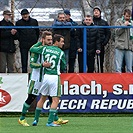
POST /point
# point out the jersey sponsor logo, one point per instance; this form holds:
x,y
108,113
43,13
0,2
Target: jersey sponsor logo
x,y
5,98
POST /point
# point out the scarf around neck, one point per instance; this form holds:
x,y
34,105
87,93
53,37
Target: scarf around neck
x,y
131,29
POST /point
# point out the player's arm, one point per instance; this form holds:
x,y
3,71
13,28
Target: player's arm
x,y
37,44
37,49
33,60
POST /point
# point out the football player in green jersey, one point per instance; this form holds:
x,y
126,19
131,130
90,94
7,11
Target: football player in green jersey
x,y
51,85
36,76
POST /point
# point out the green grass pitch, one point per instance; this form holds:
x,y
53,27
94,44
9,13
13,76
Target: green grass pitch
x,y
75,125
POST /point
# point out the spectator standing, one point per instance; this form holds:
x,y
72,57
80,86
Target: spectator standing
x,y
7,46
124,42
93,45
65,32
27,36
105,33
73,42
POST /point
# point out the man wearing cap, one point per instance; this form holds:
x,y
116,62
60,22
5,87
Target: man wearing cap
x,y
73,42
27,36
105,33
7,46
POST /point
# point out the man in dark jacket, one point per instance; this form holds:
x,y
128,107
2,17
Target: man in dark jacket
x,y
27,37
105,33
7,46
73,42
93,45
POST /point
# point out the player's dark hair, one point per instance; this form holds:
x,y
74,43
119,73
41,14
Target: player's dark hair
x,y
57,37
127,11
46,33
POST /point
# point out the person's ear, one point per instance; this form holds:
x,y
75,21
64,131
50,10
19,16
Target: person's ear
x,y
43,41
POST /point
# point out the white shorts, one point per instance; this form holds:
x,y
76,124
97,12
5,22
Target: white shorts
x,y
51,86
34,87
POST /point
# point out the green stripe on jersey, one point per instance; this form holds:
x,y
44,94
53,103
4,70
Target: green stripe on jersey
x,y
31,86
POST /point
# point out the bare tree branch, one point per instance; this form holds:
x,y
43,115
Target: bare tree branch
x,y
60,4
89,3
34,5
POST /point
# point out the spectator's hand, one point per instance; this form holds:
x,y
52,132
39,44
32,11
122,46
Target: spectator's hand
x,y
79,50
127,23
13,31
46,64
98,51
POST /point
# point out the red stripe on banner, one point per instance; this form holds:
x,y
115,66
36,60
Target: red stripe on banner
x,y
107,81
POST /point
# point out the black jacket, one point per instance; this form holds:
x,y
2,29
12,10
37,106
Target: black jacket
x,y
93,39
73,36
27,37
6,38
105,33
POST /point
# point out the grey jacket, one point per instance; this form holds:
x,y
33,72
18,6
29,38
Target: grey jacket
x,y
122,37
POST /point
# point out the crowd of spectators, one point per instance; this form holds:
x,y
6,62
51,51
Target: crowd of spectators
x,y
97,39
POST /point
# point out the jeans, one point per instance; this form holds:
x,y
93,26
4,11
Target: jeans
x,y
119,56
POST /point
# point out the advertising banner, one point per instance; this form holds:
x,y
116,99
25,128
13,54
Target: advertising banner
x,y
13,92
101,93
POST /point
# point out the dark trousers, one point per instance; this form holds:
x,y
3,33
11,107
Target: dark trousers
x,y
80,62
72,57
24,59
71,65
90,62
102,58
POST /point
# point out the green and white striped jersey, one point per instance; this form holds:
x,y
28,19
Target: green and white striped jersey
x,y
53,55
36,65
